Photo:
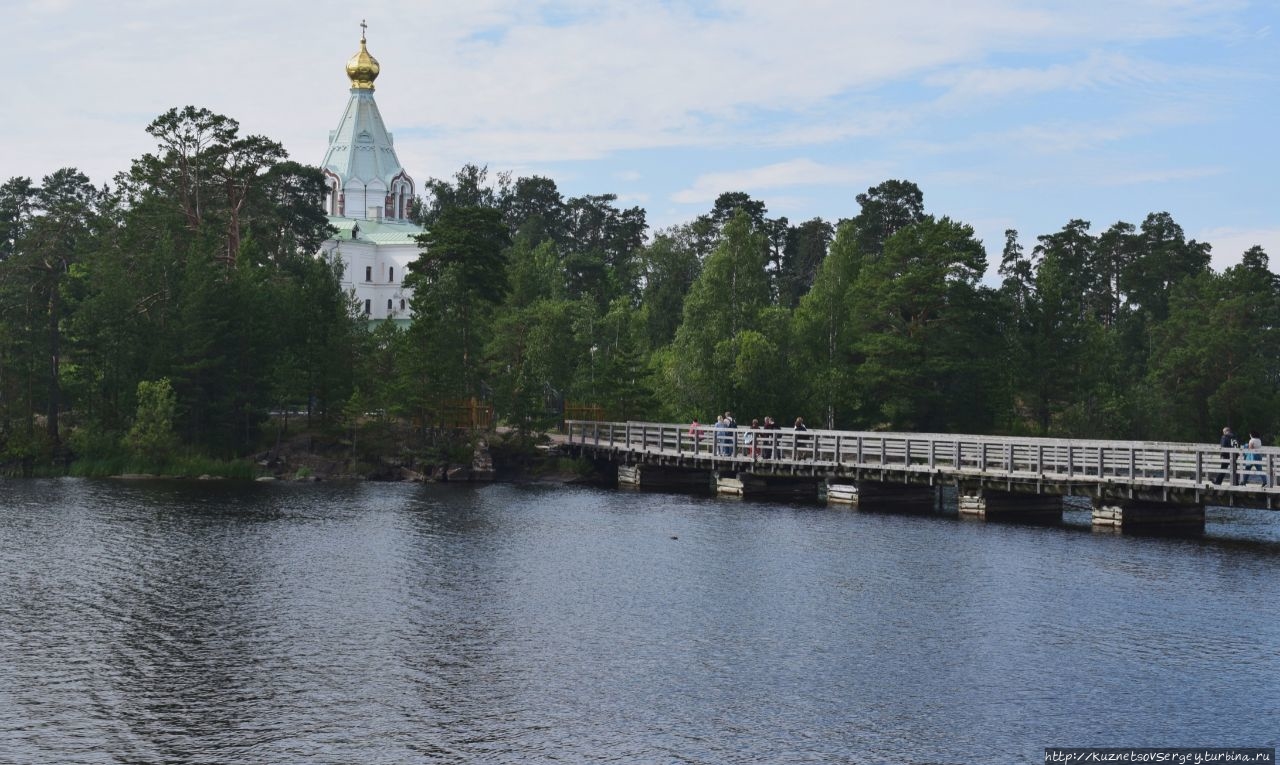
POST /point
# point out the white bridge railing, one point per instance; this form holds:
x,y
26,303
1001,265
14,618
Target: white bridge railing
x,y
1141,463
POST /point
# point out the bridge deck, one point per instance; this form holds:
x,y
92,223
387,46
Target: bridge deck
x,y
1156,470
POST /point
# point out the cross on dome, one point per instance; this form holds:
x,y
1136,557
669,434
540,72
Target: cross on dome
x,y
362,68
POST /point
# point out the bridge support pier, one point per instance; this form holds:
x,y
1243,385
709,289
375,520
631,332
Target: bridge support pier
x,y
663,478
1139,516
842,494
995,505
896,497
804,489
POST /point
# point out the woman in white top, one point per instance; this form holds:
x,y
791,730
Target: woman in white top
x,y
1253,457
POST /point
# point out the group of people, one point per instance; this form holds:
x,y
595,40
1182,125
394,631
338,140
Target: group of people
x,y
724,441
1252,450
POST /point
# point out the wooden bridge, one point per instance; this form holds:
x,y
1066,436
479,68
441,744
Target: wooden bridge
x,y
1131,483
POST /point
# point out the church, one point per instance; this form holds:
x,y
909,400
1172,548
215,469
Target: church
x,y
368,200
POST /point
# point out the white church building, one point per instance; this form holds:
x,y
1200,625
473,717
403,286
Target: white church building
x,y
368,200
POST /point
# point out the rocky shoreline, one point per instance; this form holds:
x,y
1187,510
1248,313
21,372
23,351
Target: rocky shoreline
x,y
489,463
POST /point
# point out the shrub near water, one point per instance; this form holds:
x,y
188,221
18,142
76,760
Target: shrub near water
x,y
151,437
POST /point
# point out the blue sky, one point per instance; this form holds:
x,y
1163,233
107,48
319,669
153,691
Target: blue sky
x,y
1007,114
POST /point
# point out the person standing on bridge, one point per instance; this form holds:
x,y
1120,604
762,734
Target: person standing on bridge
x,y
1228,441
801,443
717,438
770,439
1253,458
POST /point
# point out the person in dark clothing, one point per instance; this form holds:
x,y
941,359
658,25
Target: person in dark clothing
x,y
1228,441
770,424
802,444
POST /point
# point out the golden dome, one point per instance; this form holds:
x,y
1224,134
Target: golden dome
x,y
362,68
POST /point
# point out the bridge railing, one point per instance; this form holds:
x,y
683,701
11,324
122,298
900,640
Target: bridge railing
x,y
1131,462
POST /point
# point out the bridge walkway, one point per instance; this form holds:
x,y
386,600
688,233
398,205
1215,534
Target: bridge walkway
x,y
1156,471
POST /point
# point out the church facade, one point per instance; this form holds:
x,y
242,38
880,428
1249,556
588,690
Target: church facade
x,y
368,199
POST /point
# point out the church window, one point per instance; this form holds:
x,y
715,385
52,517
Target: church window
x,y
368,307
402,304
391,274
368,273
388,304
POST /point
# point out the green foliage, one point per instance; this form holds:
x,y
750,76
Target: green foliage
x,y
25,450
152,437
824,335
181,306
886,209
91,442
1216,360
918,316
457,282
726,299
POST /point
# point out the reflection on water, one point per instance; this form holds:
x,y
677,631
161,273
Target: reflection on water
x,y
329,623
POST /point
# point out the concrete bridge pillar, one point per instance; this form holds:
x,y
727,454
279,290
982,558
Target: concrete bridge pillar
x,y
1145,516
796,488
995,505
663,478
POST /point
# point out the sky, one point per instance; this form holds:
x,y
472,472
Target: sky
x,y
1006,113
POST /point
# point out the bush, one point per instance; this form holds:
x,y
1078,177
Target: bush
x,y
152,437
23,450
88,442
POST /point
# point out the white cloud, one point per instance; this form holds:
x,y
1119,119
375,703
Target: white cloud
x,y
796,172
1157,175
1021,109
1067,136
1097,69
542,81
1230,243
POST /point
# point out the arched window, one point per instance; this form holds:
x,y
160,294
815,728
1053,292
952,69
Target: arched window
x,y
388,304
391,275
402,304
368,307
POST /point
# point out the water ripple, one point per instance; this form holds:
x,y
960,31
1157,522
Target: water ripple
x,y
210,623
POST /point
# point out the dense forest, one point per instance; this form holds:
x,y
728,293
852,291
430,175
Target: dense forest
x,y
176,308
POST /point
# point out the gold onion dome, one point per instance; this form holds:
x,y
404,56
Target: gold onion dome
x,y
362,68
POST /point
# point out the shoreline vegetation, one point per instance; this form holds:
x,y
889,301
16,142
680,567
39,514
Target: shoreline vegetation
x,y
319,456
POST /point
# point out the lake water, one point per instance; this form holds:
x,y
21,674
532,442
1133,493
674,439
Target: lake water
x,y
206,622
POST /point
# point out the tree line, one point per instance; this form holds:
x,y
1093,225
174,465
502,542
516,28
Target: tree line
x,y
191,286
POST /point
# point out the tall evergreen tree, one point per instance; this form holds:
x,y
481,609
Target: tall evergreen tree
x,y
457,281
920,315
